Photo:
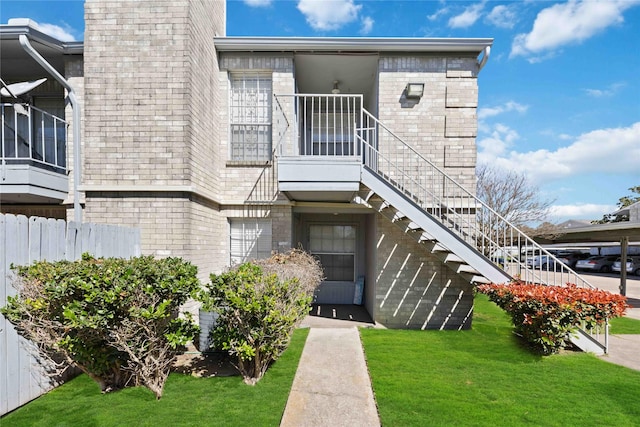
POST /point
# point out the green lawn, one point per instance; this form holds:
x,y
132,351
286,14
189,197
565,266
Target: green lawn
x,y
485,377
187,401
624,325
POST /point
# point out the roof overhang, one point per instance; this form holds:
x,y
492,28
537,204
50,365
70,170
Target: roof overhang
x,y
18,65
611,232
356,44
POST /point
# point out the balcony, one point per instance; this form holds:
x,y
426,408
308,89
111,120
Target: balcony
x,y
33,156
319,158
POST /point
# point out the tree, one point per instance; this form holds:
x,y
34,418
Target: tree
x,y
510,195
623,202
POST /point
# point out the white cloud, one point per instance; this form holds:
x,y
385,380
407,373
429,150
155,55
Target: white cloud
x,y
60,33
367,25
438,13
485,112
325,15
496,144
579,211
258,3
468,17
614,151
502,16
568,23
608,91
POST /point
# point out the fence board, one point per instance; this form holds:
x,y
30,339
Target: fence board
x,y
25,240
4,404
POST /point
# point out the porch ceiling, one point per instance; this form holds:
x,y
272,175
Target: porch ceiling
x,y
356,73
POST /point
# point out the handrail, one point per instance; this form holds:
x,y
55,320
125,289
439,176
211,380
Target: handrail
x,y
458,209
34,135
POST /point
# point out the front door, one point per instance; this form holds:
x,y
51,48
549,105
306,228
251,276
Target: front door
x,y
335,247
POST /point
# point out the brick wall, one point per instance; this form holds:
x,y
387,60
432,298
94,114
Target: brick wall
x,y
241,181
442,125
152,121
415,290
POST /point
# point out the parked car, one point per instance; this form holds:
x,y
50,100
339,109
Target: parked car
x,y
541,261
633,265
599,263
571,258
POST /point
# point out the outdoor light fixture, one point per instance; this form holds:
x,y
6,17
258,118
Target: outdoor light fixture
x,y
336,89
414,90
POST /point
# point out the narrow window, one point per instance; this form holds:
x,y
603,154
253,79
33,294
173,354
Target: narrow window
x,y
250,116
250,239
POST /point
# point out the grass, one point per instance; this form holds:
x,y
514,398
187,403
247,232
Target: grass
x,y
187,401
624,325
485,377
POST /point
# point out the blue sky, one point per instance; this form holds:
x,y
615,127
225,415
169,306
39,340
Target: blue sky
x,y
559,97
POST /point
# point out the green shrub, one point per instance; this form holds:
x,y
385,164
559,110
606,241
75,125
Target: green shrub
x,y
546,316
115,319
258,307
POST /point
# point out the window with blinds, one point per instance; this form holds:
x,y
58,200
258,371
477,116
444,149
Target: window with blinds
x,y
250,239
250,116
335,247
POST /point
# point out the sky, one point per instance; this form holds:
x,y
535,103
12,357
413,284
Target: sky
x,y
559,98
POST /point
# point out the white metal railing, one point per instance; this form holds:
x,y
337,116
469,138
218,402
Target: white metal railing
x,y
388,156
338,125
31,135
323,124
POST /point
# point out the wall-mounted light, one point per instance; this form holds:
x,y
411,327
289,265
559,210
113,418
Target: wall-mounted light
x,y
336,89
414,90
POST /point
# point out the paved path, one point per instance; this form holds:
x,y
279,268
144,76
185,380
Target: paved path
x,y
331,386
624,350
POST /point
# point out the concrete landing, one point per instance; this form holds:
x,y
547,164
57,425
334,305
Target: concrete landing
x,y
331,386
624,350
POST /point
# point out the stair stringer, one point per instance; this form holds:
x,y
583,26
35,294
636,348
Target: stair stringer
x,y
440,233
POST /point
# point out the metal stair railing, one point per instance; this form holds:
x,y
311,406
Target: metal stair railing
x,y
459,210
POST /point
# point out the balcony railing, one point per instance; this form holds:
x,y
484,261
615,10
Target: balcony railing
x,y
33,136
320,124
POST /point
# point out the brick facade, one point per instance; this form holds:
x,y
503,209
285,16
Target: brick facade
x,y
413,289
155,96
151,124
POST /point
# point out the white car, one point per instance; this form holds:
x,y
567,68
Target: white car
x,y
633,265
541,261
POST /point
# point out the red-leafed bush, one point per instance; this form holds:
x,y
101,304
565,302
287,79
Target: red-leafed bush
x,y
547,315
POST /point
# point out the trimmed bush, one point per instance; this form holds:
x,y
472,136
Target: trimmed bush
x,y
115,319
258,305
546,316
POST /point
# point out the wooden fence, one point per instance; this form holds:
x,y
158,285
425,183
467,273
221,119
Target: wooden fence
x,y
25,240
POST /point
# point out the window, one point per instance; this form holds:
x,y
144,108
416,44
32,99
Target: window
x,y
335,246
250,116
250,239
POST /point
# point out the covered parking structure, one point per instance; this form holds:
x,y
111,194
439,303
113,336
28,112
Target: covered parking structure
x,y
624,233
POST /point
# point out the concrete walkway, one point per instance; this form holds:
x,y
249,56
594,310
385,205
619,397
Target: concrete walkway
x,y
331,386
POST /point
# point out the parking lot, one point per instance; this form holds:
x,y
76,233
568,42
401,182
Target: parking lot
x,y
611,283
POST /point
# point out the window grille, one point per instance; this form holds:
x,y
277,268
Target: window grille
x,y
250,116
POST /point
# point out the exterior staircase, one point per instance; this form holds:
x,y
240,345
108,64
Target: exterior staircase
x,y
450,222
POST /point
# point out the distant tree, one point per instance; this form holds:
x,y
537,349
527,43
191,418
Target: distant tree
x,y
623,202
512,196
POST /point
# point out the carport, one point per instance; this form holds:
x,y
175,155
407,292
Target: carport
x,y
624,233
